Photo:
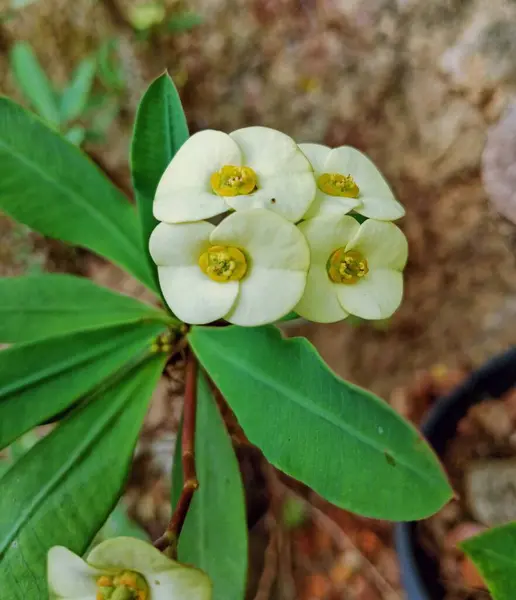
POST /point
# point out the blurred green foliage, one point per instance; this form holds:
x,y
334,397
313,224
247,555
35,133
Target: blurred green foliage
x,y
81,110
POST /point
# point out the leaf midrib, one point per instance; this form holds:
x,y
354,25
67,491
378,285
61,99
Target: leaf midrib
x,y
74,458
72,194
59,368
322,413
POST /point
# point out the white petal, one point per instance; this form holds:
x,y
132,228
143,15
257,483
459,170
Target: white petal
x,y
317,155
268,239
180,583
195,298
179,244
188,205
377,199
324,235
184,192
69,576
383,244
131,554
383,209
376,296
290,195
326,206
270,152
266,295
319,302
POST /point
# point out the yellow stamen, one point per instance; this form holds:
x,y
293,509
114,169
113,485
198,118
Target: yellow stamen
x,y
223,263
335,184
125,585
233,181
346,267
129,580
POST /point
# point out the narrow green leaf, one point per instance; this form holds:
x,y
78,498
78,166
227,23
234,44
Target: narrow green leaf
x,y
33,82
119,524
217,513
341,440
75,97
33,307
62,491
49,185
159,131
494,554
41,379
75,135
110,71
184,22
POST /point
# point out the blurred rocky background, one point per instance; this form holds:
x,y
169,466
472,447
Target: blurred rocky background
x,y
427,89
420,86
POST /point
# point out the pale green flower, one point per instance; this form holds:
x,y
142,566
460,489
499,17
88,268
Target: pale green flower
x,y
250,270
348,180
254,167
123,569
354,269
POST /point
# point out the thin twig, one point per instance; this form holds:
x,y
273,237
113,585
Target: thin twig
x,y
190,484
342,540
277,491
270,563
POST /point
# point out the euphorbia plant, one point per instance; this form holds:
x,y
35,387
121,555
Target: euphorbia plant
x,y
232,233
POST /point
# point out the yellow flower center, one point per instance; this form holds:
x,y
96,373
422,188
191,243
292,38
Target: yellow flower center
x,y
126,585
346,267
335,184
233,181
223,263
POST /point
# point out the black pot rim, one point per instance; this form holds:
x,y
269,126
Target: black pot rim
x,y
493,379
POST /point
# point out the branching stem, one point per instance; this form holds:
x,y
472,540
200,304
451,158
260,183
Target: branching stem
x,y
168,541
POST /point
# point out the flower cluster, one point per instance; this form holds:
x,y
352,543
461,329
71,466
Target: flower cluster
x,y
253,226
123,569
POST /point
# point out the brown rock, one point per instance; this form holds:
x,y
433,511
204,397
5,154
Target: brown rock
x,y
490,490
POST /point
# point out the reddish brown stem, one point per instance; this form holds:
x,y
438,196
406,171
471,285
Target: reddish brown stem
x,y
169,539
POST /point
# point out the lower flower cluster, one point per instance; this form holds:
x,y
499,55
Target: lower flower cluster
x,y
288,236
123,569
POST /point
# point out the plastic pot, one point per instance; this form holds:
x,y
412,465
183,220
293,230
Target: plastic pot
x,y
419,572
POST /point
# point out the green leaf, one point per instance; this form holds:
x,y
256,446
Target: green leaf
x,y
119,524
62,490
49,185
76,135
110,71
75,97
41,379
217,514
33,307
494,554
341,440
159,131
33,82
184,22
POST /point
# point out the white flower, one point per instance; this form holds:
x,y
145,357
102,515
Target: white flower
x,y
355,269
250,269
123,569
254,167
348,180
